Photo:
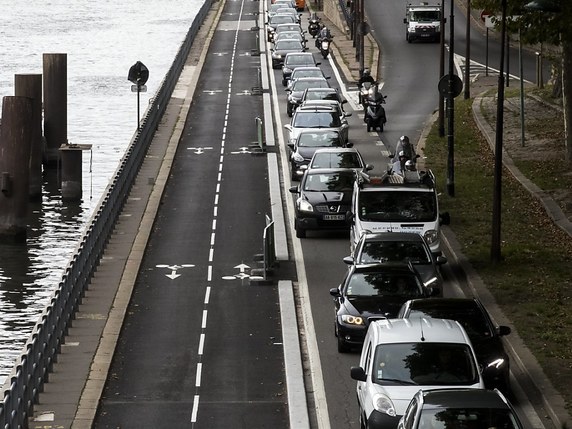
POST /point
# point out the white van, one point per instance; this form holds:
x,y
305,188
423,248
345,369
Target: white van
x,y
392,203
401,356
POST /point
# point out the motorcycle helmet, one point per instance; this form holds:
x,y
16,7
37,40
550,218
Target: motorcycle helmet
x,y
401,154
410,165
404,139
365,73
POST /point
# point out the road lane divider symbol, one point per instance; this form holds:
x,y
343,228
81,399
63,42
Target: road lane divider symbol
x,y
173,274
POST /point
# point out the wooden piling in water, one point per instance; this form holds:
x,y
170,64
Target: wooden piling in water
x,y
55,106
30,85
15,146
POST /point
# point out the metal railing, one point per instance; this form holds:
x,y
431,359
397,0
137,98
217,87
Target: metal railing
x,y
32,369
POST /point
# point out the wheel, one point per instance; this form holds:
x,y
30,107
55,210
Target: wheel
x,y
381,127
284,82
289,110
342,345
300,232
368,126
362,421
325,54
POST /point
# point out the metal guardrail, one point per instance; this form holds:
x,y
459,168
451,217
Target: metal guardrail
x,y
32,369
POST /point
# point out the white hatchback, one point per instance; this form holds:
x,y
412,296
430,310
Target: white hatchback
x,y
402,356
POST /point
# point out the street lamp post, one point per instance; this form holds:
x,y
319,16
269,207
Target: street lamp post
x,y
467,94
497,187
451,107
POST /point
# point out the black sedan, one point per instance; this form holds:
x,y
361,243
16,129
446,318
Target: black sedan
x,y
307,143
324,198
371,292
484,334
283,47
373,248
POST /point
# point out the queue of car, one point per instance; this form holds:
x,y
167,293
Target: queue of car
x,y
425,361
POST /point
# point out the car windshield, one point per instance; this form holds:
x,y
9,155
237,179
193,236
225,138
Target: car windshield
x,y
425,16
289,27
316,120
384,251
386,284
281,19
425,364
288,44
471,318
307,73
336,160
329,182
467,418
301,85
400,206
319,140
321,95
299,60
288,35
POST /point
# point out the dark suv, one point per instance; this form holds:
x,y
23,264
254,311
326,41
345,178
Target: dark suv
x,y
323,200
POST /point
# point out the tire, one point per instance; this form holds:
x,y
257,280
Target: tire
x,y
381,127
300,232
284,82
289,110
325,54
342,346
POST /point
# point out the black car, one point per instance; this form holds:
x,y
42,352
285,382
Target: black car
x,y
373,248
293,60
459,408
323,201
483,333
283,47
372,292
307,143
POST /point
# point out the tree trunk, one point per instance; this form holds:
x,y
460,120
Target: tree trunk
x,y
567,95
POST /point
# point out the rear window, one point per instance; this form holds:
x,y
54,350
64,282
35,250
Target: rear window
x,y
336,160
316,120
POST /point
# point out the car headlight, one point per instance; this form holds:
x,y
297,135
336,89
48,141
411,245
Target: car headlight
x,y
297,157
304,206
286,70
431,236
383,404
431,282
352,320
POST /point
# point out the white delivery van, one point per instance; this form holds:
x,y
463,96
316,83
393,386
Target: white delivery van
x,y
395,203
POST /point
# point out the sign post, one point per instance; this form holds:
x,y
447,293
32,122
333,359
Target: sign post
x,y
138,75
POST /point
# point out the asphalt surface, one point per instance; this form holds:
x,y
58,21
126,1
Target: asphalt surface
x,y
72,395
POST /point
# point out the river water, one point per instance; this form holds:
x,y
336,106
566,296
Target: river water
x,y
102,41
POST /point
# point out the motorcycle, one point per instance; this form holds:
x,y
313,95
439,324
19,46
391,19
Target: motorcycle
x,y
314,27
325,47
374,116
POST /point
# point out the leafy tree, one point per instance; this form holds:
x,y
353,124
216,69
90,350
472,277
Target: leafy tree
x,y
545,21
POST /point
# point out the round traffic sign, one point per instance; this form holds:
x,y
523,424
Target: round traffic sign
x,y
457,85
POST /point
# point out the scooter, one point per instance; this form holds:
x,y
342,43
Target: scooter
x,y
374,116
325,47
314,27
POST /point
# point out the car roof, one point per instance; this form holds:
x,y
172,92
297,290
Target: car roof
x,y
392,236
315,108
463,398
457,303
422,329
337,150
329,171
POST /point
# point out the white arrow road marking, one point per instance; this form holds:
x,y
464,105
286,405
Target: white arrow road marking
x,y
199,150
243,150
173,275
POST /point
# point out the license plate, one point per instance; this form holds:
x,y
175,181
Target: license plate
x,y
334,217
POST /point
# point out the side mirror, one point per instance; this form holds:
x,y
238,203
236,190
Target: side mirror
x,y
357,373
368,167
335,292
444,218
349,144
349,260
440,260
503,330
288,127
291,145
294,190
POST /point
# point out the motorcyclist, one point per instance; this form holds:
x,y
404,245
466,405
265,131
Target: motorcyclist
x,y
325,34
399,165
314,24
403,144
365,77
